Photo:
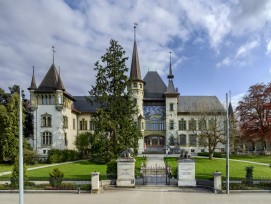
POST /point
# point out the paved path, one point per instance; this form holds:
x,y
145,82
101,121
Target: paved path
x,y
238,160
135,196
155,160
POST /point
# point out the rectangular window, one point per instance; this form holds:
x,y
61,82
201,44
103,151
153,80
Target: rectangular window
x,y
192,124
81,125
73,123
202,124
85,124
91,125
211,124
171,124
193,140
182,124
66,139
171,107
65,122
183,140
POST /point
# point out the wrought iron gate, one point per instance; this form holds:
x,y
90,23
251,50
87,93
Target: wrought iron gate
x,y
156,175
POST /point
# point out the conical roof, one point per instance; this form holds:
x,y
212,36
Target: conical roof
x,y
51,81
33,85
135,67
230,111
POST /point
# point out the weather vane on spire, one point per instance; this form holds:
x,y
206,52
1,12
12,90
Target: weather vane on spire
x,y
135,26
53,49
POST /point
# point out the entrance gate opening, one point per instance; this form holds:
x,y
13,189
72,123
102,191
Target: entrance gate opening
x,y
156,175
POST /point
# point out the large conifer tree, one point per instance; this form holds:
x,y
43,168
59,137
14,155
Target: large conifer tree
x,y
115,128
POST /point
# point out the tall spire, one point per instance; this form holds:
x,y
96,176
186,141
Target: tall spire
x,y
171,91
170,75
135,73
33,85
53,49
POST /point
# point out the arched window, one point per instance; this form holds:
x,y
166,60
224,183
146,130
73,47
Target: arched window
x,y
47,138
46,120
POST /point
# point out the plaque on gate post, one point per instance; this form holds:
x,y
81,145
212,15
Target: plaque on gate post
x,y
125,171
186,173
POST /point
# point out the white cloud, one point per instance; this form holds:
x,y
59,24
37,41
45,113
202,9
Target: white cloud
x,y
268,48
235,99
242,55
81,30
246,48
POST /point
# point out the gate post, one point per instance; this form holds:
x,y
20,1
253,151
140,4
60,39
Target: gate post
x,y
126,172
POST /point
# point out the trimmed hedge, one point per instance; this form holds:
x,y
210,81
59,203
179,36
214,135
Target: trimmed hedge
x,y
57,156
206,154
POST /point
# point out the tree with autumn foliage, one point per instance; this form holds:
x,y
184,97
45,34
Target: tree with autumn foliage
x,y
254,112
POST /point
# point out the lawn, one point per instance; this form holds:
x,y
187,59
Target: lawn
x,y
261,159
9,167
78,170
206,167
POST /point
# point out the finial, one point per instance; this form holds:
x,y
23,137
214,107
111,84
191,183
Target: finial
x,y
230,96
135,26
170,59
33,70
53,49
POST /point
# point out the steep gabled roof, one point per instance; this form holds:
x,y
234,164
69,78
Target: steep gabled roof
x,y
154,87
83,105
51,81
197,104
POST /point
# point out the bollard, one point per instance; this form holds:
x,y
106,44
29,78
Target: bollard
x,y
95,182
217,182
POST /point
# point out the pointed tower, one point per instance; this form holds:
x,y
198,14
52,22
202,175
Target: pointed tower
x,y
171,98
137,84
32,88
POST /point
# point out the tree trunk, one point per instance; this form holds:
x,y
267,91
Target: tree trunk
x,y
211,155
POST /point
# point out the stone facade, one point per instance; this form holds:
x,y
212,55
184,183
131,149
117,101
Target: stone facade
x,y
164,116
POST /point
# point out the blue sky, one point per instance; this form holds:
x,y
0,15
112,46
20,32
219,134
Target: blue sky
x,y
217,46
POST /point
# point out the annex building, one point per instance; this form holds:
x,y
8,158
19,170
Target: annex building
x,y
165,117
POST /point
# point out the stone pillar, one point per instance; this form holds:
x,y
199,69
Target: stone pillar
x,y
126,172
95,182
217,182
186,173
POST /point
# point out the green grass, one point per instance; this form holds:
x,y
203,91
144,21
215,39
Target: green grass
x,y
5,167
79,170
253,158
206,167
9,167
138,162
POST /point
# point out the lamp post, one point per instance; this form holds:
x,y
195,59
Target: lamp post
x,y
227,146
21,161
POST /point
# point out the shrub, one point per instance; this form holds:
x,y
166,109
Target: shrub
x,y
249,175
56,177
206,154
30,156
112,167
57,155
14,180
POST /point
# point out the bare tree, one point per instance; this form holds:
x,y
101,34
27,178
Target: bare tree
x,y
210,131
